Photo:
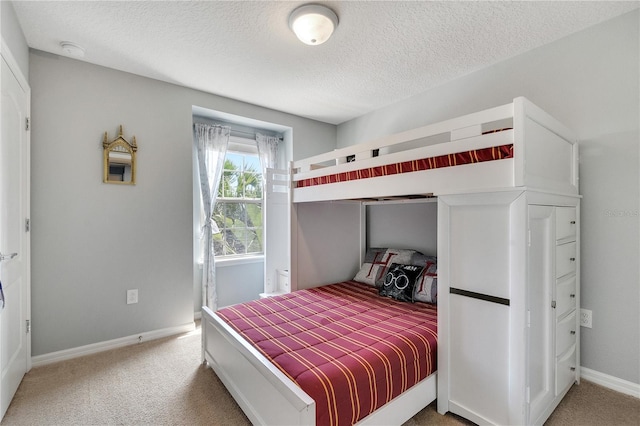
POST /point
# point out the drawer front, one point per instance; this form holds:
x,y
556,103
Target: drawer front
x,y
565,259
565,222
566,371
566,333
565,296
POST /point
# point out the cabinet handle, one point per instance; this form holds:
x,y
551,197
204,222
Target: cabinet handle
x,y
572,368
573,222
572,332
573,259
573,296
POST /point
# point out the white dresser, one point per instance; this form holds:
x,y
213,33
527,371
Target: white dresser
x,y
508,338
566,295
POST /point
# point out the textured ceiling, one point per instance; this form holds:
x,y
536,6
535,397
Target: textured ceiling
x,y
381,52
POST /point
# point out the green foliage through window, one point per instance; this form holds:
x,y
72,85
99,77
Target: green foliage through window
x,y
238,209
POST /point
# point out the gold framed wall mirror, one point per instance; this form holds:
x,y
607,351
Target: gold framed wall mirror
x,y
119,160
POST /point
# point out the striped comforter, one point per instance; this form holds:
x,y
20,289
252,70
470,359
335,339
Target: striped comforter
x,y
349,349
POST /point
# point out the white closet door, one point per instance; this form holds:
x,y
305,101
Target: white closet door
x,y
14,240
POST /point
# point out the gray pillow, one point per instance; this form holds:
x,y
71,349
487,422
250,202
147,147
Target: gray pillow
x,y
377,262
426,289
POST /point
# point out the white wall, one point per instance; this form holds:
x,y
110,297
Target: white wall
x,y
93,241
589,81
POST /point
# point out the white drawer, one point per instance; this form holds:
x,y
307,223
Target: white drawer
x,y
565,296
566,371
565,259
565,222
566,333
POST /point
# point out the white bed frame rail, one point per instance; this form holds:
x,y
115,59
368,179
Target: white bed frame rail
x,y
542,149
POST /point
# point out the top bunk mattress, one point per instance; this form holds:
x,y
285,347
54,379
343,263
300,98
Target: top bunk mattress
x,y
440,161
348,348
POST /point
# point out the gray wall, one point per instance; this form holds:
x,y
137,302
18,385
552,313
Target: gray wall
x,y
93,241
239,283
404,226
589,81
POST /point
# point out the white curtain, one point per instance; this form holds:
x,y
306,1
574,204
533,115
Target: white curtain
x,y
267,151
212,142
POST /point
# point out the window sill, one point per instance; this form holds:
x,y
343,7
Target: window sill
x,y
234,261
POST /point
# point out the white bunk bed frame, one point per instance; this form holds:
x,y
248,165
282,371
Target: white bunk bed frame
x,y
545,159
549,163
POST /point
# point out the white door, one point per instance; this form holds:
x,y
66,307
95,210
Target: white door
x,y
14,238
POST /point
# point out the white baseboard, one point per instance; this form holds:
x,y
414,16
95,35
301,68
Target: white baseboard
x,y
611,382
93,348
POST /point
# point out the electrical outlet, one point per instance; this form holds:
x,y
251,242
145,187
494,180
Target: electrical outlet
x,y
132,296
585,318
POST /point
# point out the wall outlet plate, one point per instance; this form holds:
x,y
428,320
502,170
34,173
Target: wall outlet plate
x,y
586,318
132,296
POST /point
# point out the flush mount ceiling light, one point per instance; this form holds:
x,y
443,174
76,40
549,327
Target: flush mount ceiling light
x,y
72,49
313,24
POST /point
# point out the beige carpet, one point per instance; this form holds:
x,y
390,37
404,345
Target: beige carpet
x,y
163,383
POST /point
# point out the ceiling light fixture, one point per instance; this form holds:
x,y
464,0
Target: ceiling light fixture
x,y
313,24
72,49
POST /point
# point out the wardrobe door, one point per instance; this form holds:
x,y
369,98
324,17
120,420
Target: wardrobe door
x,y
540,273
481,342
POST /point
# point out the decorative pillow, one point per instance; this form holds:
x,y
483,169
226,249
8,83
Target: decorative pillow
x,y
400,281
377,262
426,289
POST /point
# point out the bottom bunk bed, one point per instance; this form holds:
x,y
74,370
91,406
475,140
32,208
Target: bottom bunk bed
x,y
339,354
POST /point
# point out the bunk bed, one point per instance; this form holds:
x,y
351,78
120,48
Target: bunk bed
x,y
476,152
514,167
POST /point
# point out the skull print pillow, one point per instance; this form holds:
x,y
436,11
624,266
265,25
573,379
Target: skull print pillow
x,y
399,282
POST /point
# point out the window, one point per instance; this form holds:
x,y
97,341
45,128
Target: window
x,y
238,209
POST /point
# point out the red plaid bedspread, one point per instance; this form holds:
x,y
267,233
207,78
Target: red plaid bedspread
x,y
440,161
349,349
